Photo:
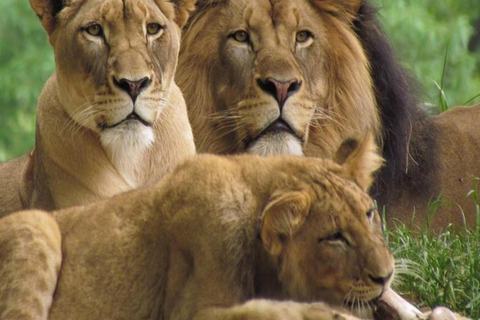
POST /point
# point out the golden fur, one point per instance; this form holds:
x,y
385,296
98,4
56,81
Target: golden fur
x,y
255,82
111,118
250,227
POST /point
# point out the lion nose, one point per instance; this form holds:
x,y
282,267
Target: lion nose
x,y
280,90
133,88
381,280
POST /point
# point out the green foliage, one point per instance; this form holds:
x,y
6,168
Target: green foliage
x,y
431,37
26,61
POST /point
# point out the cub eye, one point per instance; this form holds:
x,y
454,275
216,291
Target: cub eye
x,y
240,36
153,28
370,215
94,29
337,236
303,36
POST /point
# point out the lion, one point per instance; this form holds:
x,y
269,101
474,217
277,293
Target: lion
x,y
300,76
253,238
111,118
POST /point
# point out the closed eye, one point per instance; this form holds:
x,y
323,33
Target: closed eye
x,y
335,237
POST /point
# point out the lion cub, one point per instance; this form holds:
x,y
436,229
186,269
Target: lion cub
x,y
111,118
210,237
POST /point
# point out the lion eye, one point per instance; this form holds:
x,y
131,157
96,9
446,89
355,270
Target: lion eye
x,y
335,237
240,36
303,36
94,29
153,28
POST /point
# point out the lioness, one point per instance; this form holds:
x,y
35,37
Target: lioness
x,y
111,118
299,76
250,227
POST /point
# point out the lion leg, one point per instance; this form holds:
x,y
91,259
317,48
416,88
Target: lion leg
x,y
30,255
274,310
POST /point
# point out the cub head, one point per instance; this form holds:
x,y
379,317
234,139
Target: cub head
x,y
323,232
275,76
115,62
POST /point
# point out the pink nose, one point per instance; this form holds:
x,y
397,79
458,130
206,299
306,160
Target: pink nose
x,y
280,90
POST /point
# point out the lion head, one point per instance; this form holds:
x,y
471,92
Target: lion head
x,y
275,77
115,62
325,235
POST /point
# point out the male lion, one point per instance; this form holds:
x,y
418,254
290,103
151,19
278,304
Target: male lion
x,y
299,76
250,227
111,118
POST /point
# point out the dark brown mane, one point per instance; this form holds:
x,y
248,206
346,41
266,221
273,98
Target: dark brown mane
x,y
408,134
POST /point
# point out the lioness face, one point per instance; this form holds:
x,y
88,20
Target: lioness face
x,y
115,61
339,254
279,72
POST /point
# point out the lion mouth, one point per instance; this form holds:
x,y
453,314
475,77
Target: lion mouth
x,y
276,127
132,117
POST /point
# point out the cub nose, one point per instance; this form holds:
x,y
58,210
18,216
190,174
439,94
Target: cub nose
x,y
132,87
381,280
280,90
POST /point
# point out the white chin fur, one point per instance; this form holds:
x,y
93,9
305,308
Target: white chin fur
x,y
125,146
277,144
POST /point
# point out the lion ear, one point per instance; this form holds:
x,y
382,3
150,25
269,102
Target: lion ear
x,y
283,216
46,11
350,7
360,159
183,8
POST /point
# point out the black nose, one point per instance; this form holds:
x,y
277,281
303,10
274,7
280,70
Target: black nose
x,y
280,90
381,280
133,88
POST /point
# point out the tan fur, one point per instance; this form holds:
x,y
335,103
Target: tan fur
x,y
219,77
203,251
458,138
80,155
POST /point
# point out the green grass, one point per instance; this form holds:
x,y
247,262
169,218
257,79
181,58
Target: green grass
x,y
439,269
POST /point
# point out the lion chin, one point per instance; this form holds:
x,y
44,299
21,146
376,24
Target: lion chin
x,y
276,144
125,144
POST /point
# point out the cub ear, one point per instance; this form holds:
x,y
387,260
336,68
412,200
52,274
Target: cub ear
x,y
350,7
46,10
360,159
283,216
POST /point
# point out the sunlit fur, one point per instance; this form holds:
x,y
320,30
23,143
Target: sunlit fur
x,y
96,134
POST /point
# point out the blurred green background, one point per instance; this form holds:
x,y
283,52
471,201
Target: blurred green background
x,y
421,31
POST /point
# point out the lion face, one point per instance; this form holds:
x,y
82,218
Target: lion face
x,y
325,235
115,63
275,77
